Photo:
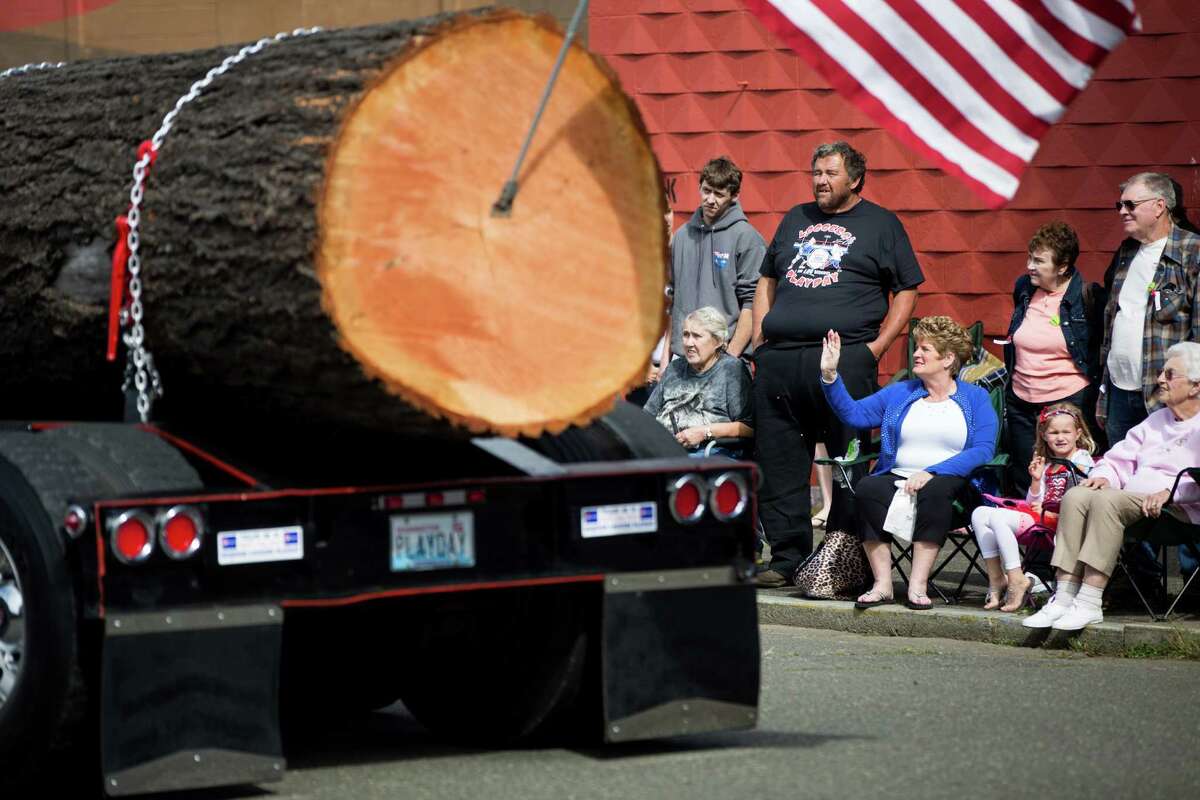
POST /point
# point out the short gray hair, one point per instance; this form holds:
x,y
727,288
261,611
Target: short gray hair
x,y
711,320
856,162
1157,184
1189,354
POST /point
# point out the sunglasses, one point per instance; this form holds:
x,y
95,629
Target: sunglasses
x,y
1171,374
1130,205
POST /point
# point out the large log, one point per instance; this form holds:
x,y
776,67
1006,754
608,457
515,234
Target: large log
x,y
317,236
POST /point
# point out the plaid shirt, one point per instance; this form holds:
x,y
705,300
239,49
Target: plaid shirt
x,y
1175,319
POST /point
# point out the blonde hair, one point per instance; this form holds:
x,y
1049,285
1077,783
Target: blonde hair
x,y
948,339
1084,439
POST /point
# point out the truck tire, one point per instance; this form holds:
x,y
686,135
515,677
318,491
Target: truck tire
x,y
498,667
126,458
625,432
42,693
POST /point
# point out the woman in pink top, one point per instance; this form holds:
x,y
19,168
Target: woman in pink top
x,y
1132,481
1053,340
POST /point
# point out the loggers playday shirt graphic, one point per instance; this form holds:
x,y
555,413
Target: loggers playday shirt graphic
x,y
819,254
836,271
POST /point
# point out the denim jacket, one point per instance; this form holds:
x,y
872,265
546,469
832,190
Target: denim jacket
x,y
1080,323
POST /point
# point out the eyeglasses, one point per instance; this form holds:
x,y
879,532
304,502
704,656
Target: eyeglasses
x,y
1130,205
1171,375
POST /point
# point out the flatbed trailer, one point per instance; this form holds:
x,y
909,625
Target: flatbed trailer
x,y
177,615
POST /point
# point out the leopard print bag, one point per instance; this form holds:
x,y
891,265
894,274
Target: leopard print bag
x,y
837,571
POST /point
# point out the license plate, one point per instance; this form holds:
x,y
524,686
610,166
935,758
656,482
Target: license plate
x,y
433,541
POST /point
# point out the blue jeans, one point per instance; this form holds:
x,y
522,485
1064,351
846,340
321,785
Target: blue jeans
x,y
1125,410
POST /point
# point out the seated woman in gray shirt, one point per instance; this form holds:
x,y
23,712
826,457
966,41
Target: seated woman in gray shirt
x,y
706,394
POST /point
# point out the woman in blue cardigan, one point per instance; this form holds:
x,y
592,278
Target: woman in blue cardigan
x,y
934,432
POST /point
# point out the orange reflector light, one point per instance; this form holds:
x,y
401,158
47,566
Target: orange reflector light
x,y
686,498
180,529
132,537
728,496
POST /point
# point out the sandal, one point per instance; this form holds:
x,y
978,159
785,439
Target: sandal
x,y
916,606
880,599
1015,597
993,599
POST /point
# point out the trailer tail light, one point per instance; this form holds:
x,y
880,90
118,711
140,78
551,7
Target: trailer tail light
x,y
132,537
728,496
75,521
180,531
686,499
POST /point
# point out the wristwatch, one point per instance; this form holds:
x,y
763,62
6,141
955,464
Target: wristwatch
x,y
707,433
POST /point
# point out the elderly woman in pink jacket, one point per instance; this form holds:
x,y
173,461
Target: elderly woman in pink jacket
x,y
1132,481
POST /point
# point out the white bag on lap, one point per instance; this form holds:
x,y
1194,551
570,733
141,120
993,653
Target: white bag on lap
x,y
901,514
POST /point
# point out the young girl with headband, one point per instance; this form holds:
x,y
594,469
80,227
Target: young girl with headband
x,y
1061,433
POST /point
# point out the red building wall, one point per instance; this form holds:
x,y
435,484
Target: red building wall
x,y
710,80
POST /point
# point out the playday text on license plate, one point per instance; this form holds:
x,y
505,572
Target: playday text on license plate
x,y
432,541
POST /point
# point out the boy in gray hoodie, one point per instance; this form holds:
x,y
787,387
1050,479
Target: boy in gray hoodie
x,y
715,259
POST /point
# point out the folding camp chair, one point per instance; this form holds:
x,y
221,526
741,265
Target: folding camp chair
x,y
1163,531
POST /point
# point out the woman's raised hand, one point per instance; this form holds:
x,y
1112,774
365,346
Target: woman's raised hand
x,y
831,353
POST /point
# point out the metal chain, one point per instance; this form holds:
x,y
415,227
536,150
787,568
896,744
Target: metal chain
x,y
31,67
140,363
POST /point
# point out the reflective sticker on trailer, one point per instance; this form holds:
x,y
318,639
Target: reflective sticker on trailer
x,y
260,545
618,520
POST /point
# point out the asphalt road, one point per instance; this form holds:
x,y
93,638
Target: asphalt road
x,y
842,716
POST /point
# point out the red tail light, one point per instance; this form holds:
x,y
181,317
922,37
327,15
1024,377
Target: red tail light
x,y
686,499
180,531
728,496
132,537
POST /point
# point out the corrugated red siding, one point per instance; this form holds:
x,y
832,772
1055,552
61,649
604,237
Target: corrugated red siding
x,y
710,81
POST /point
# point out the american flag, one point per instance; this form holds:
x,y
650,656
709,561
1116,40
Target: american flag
x,y
972,85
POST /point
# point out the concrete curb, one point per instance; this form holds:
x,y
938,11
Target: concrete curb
x,y
967,624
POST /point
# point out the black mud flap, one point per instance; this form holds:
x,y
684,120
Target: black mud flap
x,y
190,699
681,653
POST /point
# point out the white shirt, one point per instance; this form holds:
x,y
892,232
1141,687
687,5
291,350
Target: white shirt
x,y
929,434
1129,326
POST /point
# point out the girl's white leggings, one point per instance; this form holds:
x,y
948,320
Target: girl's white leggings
x,y
996,531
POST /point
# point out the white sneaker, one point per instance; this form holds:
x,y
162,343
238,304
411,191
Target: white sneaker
x,y
1080,616
1047,616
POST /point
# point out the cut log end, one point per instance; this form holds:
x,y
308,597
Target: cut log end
x,y
519,324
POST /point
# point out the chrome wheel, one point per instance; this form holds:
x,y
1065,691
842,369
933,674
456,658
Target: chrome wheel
x,y
12,625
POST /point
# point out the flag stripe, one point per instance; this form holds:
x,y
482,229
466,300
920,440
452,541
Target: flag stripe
x,y
1092,26
952,86
971,84
844,82
1029,58
981,59
1067,52
869,77
1114,13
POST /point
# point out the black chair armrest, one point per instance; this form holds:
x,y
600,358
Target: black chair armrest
x,y
1191,472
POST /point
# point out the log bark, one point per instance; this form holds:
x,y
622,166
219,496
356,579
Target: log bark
x,y
317,240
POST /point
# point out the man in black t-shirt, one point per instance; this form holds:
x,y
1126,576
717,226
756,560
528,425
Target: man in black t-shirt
x,y
833,264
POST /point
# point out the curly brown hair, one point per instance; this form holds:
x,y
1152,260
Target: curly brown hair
x,y
1060,239
948,338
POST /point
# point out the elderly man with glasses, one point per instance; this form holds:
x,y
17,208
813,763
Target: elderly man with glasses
x,y
1132,481
1153,301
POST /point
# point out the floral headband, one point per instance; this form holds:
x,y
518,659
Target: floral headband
x,y
1047,413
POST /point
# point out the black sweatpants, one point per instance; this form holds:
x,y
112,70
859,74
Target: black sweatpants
x,y
790,417
935,512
